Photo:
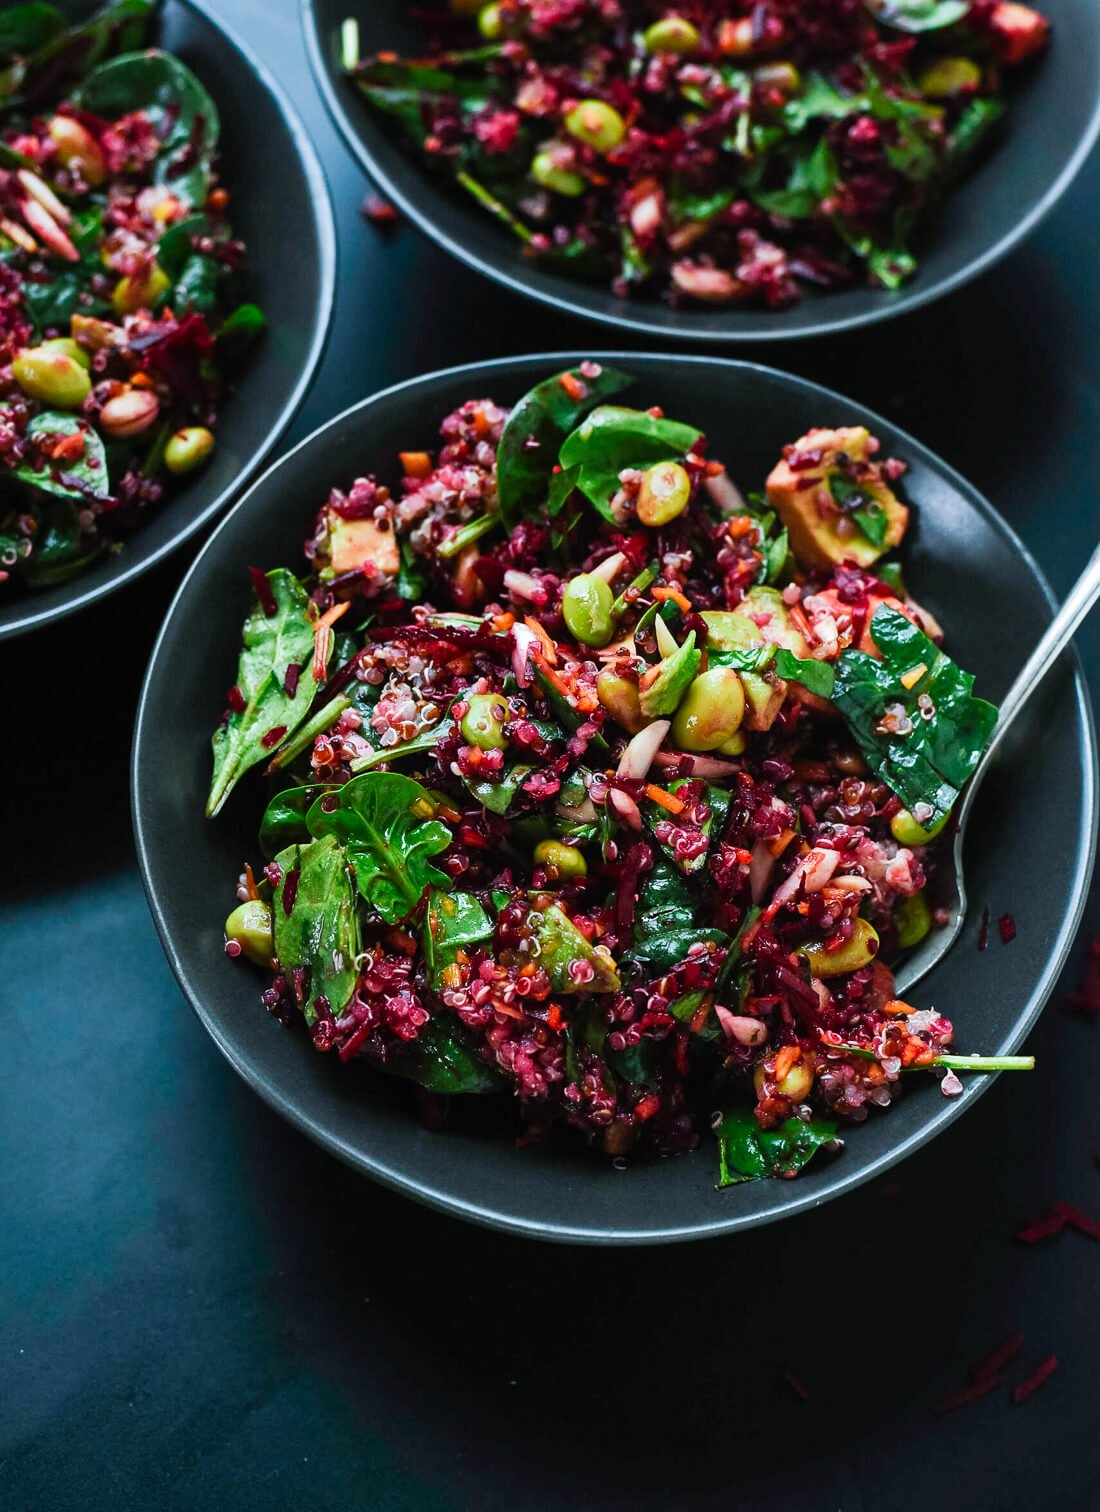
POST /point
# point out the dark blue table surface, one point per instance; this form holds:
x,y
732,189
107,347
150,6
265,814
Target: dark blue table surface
x,y
199,1308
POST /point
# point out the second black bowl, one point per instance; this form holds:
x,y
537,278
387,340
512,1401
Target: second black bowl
x,y
282,211
1053,122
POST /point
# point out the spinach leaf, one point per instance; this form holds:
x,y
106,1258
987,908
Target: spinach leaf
x,y
563,711
612,438
80,478
717,801
820,100
928,759
867,512
497,796
238,331
559,943
451,920
533,432
816,676
62,58
441,1060
386,822
184,116
747,1152
271,645
412,580
427,740
413,90
665,928
57,554
321,928
68,290
918,15
284,820
973,127
26,28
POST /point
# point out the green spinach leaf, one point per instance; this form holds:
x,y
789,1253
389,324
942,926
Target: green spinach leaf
x,y
559,943
747,1152
442,1060
321,928
612,438
924,754
533,432
80,478
284,820
63,57
451,920
272,644
385,821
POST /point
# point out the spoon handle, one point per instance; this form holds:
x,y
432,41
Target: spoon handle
x,y
1059,633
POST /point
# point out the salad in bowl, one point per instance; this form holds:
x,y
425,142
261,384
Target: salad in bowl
x,y
600,785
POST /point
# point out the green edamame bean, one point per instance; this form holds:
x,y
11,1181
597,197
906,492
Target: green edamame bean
x,y
566,860
906,830
482,724
140,291
70,348
855,953
913,920
620,697
711,711
672,34
949,76
251,926
52,376
490,23
598,124
664,494
548,173
188,448
586,609
782,76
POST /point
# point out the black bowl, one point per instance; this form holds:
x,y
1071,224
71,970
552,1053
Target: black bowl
x,y
282,209
962,561
1053,122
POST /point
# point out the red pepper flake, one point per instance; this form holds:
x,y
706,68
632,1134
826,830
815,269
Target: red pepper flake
x,y
1021,1392
983,932
1087,997
273,736
797,1385
969,1393
290,680
263,592
1007,925
1050,1223
1081,1221
236,700
379,211
990,1368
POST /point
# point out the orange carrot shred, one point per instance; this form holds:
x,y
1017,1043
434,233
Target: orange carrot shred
x,y
322,638
666,800
549,650
895,1005
572,387
415,464
678,598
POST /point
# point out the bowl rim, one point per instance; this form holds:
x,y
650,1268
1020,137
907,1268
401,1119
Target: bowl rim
x,y
500,1219
915,296
324,219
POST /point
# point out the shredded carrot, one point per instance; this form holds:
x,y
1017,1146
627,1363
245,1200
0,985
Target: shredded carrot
x,y
142,381
572,386
387,57
482,424
702,1013
681,599
740,526
778,844
503,622
402,942
553,1017
557,681
322,638
250,882
798,619
789,1056
549,650
895,1005
666,800
415,464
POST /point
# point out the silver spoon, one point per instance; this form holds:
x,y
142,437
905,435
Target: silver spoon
x,y
1080,600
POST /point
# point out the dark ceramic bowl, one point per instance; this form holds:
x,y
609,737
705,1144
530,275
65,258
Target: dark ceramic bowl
x,y
282,210
962,561
1054,120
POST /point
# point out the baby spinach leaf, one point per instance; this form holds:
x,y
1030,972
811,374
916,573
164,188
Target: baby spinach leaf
x,y
747,1152
442,1060
61,58
928,763
665,927
816,676
533,432
25,28
385,821
497,796
58,542
184,116
559,943
271,645
451,921
81,478
321,928
427,740
852,500
413,90
284,820
613,437
919,15
240,329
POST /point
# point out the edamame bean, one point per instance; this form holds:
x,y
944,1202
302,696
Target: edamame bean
x,y
859,951
664,494
711,711
586,609
70,348
52,376
566,860
140,291
598,124
251,926
482,725
672,34
795,1083
913,920
188,448
550,174
622,700
949,76
906,830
